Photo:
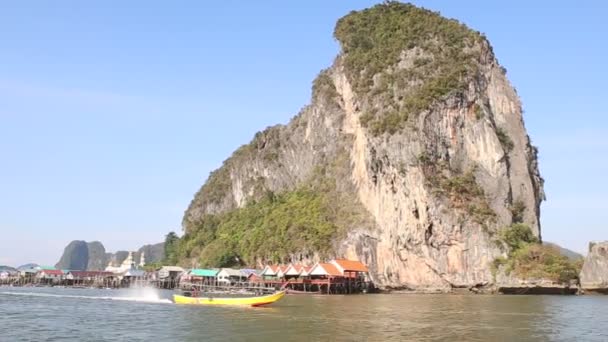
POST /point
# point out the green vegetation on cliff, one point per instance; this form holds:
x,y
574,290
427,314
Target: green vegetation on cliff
x,y
273,227
170,249
460,188
305,220
505,140
517,236
442,57
538,261
528,259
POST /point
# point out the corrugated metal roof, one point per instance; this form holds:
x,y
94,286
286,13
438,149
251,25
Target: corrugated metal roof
x,y
201,272
47,268
248,271
171,269
135,273
231,272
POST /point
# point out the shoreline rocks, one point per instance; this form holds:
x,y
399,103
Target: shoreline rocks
x,y
594,274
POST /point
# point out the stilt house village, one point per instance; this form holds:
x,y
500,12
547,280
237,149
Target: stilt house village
x,y
334,277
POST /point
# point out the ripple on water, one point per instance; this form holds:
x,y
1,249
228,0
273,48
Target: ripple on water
x,y
119,315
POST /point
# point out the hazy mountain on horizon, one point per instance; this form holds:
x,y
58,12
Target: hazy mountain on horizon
x,y
92,256
570,254
7,268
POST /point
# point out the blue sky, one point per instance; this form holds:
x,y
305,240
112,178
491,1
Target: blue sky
x,y
113,113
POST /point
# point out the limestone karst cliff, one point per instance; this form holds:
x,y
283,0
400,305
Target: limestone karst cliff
x,y
594,275
411,157
91,256
75,256
97,256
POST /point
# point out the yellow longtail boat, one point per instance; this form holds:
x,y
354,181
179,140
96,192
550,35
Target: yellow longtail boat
x,y
242,301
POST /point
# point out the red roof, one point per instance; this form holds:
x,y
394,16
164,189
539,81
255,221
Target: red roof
x,y
298,268
53,272
304,268
351,265
254,277
331,269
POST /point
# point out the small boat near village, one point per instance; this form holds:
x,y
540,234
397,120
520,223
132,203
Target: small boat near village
x,y
209,299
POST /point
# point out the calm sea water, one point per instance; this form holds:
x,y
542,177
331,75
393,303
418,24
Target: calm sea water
x,y
52,314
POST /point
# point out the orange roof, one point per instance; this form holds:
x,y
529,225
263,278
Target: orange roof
x,y
305,270
351,265
277,268
331,269
296,268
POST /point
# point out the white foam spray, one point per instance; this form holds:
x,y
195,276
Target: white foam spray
x,y
144,295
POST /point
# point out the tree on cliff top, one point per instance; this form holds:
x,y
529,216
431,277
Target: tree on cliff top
x,y
171,245
529,259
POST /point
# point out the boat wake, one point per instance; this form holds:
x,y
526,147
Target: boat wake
x,y
143,299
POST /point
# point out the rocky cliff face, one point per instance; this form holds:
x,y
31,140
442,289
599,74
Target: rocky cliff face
x,y
152,253
91,256
594,275
417,123
116,259
97,259
75,256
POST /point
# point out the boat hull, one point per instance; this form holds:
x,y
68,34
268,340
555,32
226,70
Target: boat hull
x,y
246,301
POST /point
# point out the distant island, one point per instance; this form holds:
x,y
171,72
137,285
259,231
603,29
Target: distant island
x,y
91,256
